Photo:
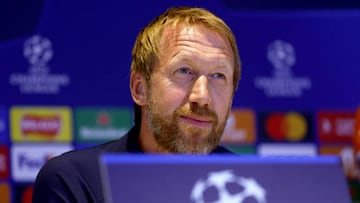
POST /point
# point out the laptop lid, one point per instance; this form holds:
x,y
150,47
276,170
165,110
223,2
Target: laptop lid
x,y
222,179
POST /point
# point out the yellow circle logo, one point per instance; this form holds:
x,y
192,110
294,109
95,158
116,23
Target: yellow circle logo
x,y
290,126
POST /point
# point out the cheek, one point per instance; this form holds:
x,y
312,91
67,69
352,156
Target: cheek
x,y
222,103
172,97
168,96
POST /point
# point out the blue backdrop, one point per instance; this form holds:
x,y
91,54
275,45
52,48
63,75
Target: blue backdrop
x,y
79,54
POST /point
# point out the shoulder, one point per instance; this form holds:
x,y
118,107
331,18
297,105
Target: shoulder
x,y
81,160
74,175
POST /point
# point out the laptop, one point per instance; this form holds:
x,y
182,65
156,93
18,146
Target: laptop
x,y
135,178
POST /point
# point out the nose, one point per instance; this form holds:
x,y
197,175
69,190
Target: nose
x,y
200,91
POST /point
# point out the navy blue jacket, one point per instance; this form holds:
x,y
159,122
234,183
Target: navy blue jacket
x,y
75,176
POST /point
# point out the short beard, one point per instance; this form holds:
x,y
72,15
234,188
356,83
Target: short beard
x,y
168,136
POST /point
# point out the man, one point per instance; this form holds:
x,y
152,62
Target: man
x,y
184,73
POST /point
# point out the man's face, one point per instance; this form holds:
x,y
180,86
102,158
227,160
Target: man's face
x,y
190,90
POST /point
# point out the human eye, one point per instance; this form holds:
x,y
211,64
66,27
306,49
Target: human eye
x,y
220,76
184,70
183,73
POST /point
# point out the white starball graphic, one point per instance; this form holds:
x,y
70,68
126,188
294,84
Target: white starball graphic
x,y
38,50
219,181
281,54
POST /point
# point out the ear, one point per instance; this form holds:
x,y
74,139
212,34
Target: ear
x,y
137,88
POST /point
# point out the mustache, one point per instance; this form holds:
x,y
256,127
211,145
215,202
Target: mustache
x,y
195,109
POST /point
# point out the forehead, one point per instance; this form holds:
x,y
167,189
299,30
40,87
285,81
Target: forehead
x,y
176,35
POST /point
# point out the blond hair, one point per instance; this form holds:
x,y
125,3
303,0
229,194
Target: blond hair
x,y
146,50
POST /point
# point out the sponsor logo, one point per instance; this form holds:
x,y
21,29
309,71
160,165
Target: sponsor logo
x,y
27,195
38,50
102,124
283,83
287,149
285,127
242,149
4,162
23,192
4,133
240,127
40,124
5,193
335,126
356,135
27,159
219,181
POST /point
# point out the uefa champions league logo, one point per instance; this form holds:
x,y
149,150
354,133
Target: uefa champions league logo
x,y
38,51
219,182
283,82
281,54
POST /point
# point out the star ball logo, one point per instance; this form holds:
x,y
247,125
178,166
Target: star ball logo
x,y
38,50
285,126
226,187
282,55
283,83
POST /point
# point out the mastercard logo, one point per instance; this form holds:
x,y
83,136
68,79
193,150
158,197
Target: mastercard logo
x,y
289,126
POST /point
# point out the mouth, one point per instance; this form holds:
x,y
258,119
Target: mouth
x,y
198,121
